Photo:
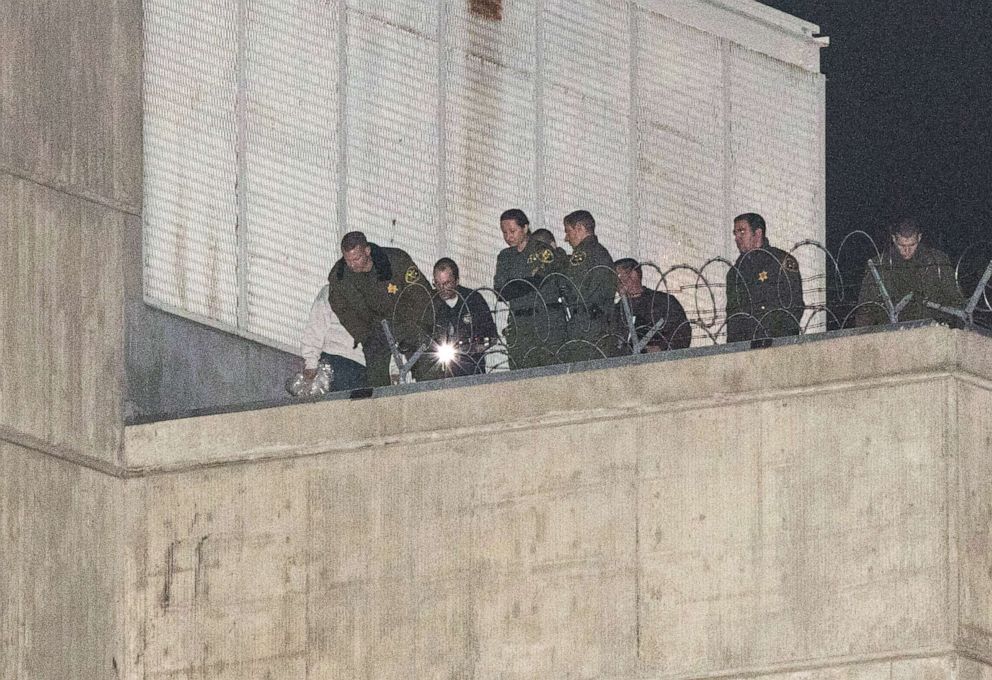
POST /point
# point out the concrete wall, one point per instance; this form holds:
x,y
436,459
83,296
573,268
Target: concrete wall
x,y
818,510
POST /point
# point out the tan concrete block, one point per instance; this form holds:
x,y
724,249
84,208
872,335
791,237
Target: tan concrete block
x,y
936,668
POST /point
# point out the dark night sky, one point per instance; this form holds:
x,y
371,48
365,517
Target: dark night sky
x,y
909,111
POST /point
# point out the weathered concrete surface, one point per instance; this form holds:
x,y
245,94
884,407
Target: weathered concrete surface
x,y
813,511
70,97
61,320
807,512
62,535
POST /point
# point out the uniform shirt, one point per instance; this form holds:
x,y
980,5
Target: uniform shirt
x,y
592,283
324,333
466,322
928,275
520,274
765,292
363,299
647,309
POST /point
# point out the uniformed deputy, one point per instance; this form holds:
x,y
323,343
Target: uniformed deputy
x,y
908,267
536,325
368,284
589,293
648,307
764,287
461,328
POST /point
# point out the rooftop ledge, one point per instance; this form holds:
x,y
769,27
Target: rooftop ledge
x,y
614,389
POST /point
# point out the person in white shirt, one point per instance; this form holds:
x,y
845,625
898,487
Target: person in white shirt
x,y
325,340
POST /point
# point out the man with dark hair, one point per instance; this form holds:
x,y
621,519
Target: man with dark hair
x,y
589,291
764,287
648,308
461,327
369,284
908,268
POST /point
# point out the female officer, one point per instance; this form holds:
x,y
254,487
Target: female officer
x,y
525,279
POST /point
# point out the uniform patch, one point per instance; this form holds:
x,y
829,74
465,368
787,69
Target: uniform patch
x,y
790,264
467,319
577,258
412,275
762,276
392,288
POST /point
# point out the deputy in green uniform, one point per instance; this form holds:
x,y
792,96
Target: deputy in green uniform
x,y
908,267
369,284
591,289
524,280
764,287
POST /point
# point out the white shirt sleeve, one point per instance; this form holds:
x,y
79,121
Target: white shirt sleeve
x,y
316,330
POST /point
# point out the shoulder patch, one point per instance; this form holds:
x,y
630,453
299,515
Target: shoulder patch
x,y
790,264
411,275
577,258
544,256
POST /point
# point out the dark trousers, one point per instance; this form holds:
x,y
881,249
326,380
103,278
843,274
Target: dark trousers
x,y
348,374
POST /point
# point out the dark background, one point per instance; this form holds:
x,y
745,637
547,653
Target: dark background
x,y
909,111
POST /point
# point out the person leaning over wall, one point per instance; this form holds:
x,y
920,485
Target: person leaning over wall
x,y
908,268
370,284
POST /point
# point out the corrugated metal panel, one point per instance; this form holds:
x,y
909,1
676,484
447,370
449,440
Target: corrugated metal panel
x,y
490,130
775,153
393,137
680,125
190,205
288,180
587,116
274,127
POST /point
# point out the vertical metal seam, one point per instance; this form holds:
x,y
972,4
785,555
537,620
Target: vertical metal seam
x,y
540,191
342,122
441,122
240,179
633,134
728,144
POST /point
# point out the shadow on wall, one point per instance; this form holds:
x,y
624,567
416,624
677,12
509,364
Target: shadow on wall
x,y
174,365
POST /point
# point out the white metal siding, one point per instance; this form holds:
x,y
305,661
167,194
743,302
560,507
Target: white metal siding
x,y
274,126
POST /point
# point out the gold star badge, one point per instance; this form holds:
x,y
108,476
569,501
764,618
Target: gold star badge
x,y
763,276
392,288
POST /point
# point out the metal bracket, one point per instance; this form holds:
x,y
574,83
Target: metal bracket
x,y
404,364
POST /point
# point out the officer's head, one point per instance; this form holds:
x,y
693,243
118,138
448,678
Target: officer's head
x,y
749,232
356,252
446,278
515,227
578,225
628,276
906,236
545,236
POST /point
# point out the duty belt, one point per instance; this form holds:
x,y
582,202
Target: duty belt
x,y
531,311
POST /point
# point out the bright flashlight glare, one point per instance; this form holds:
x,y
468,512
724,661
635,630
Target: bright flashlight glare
x,y
446,353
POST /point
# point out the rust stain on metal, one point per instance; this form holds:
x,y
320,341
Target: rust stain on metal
x,y
487,9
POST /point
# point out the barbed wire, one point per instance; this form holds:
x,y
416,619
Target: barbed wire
x,y
555,319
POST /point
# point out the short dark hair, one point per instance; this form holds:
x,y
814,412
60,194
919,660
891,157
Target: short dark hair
x,y
517,215
352,240
754,221
907,226
581,218
544,236
448,265
628,264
